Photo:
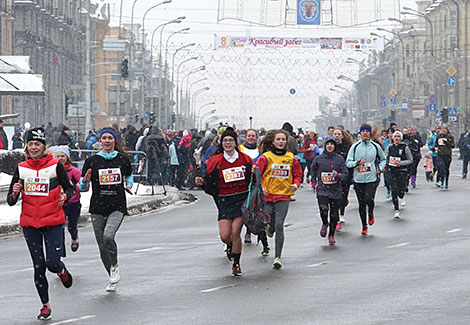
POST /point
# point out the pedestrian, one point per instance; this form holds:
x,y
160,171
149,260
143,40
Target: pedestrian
x,y
445,144
465,154
428,166
307,148
368,160
281,175
432,145
412,139
183,159
227,179
110,174
3,137
330,172
399,157
386,172
40,180
173,161
17,141
291,142
343,143
72,207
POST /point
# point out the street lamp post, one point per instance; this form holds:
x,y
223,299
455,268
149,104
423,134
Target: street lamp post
x,y
401,41
201,68
204,116
178,91
193,98
199,113
348,94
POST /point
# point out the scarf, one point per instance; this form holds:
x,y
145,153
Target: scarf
x,y
279,152
108,155
249,145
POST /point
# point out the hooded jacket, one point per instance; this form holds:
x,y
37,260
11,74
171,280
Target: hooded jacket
x,y
374,158
444,144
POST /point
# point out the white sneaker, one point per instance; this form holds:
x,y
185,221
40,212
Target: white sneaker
x,y
114,276
397,214
341,219
111,287
402,202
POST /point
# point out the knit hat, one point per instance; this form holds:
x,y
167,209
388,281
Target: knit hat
x,y
64,149
109,130
438,127
229,132
365,126
36,134
319,139
332,140
399,133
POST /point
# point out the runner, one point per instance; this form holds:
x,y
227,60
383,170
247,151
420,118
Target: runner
x,y
108,172
227,180
250,147
307,148
40,181
73,207
386,171
432,145
281,178
363,157
445,144
330,173
344,142
399,157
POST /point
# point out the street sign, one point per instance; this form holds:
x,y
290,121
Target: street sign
x,y
418,111
433,99
382,97
438,115
451,81
383,103
393,92
452,111
432,107
292,91
453,118
404,106
76,110
451,71
393,100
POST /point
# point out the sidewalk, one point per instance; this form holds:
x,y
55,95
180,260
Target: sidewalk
x,y
136,204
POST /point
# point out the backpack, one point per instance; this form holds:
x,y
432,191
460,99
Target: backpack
x,y
254,216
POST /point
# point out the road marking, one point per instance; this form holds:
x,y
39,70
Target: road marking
x,y
27,269
218,288
453,230
73,320
151,249
320,264
398,245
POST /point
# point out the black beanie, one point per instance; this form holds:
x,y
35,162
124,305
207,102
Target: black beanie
x,y
229,132
36,134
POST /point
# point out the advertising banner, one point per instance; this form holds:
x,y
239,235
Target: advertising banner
x,y
308,12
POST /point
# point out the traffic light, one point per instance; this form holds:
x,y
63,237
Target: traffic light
x,y
445,115
125,68
152,117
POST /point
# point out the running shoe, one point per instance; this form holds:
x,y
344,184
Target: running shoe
x,y
402,202
387,195
269,231
114,275
45,313
464,176
446,186
364,230
371,219
413,184
74,245
111,287
338,226
229,252
236,270
438,184
397,214
331,240
277,263
341,219
247,238
265,251
66,278
323,230
432,175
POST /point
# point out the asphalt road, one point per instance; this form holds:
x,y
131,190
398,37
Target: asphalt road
x,y
173,269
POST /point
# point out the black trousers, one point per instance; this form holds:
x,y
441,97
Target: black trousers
x,y
398,182
332,206
365,193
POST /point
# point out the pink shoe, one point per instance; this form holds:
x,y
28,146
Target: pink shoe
x,y
323,230
338,226
331,240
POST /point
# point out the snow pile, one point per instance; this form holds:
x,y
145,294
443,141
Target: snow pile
x,y
5,179
9,159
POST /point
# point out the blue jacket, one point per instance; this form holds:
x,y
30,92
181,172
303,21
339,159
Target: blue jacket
x,y
173,155
326,163
432,144
375,159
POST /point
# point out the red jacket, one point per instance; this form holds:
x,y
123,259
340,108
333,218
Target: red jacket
x,y
308,155
43,211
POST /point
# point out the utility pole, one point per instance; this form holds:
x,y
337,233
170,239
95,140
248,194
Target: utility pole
x,y
88,98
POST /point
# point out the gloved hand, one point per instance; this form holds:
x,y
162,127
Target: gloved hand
x,y
334,173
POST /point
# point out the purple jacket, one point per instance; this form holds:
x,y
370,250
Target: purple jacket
x,y
74,177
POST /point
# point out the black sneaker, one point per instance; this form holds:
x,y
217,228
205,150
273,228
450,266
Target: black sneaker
x,y
74,246
265,251
236,270
66,278
269,231
229,252
45,313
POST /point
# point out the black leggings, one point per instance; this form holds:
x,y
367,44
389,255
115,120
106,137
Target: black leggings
x,y
53,237
443,164
398,182
344,197
365,193
72,212
326,204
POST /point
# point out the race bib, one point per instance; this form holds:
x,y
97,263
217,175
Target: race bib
x,y
233,174
366,168
280,171
36,186
327,178
394,161
110,176
441,142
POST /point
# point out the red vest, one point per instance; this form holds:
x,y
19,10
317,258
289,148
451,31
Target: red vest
x,y
232,177
41,211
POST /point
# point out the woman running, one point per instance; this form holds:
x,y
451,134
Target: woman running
x,y
227,180
445,144
344,142
40,180
250,147
281,175
73,207
329,172
398,157
110,173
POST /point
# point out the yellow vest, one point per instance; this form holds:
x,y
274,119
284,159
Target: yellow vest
x,y
277,177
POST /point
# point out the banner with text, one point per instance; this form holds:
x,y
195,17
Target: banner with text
x,y
323,43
